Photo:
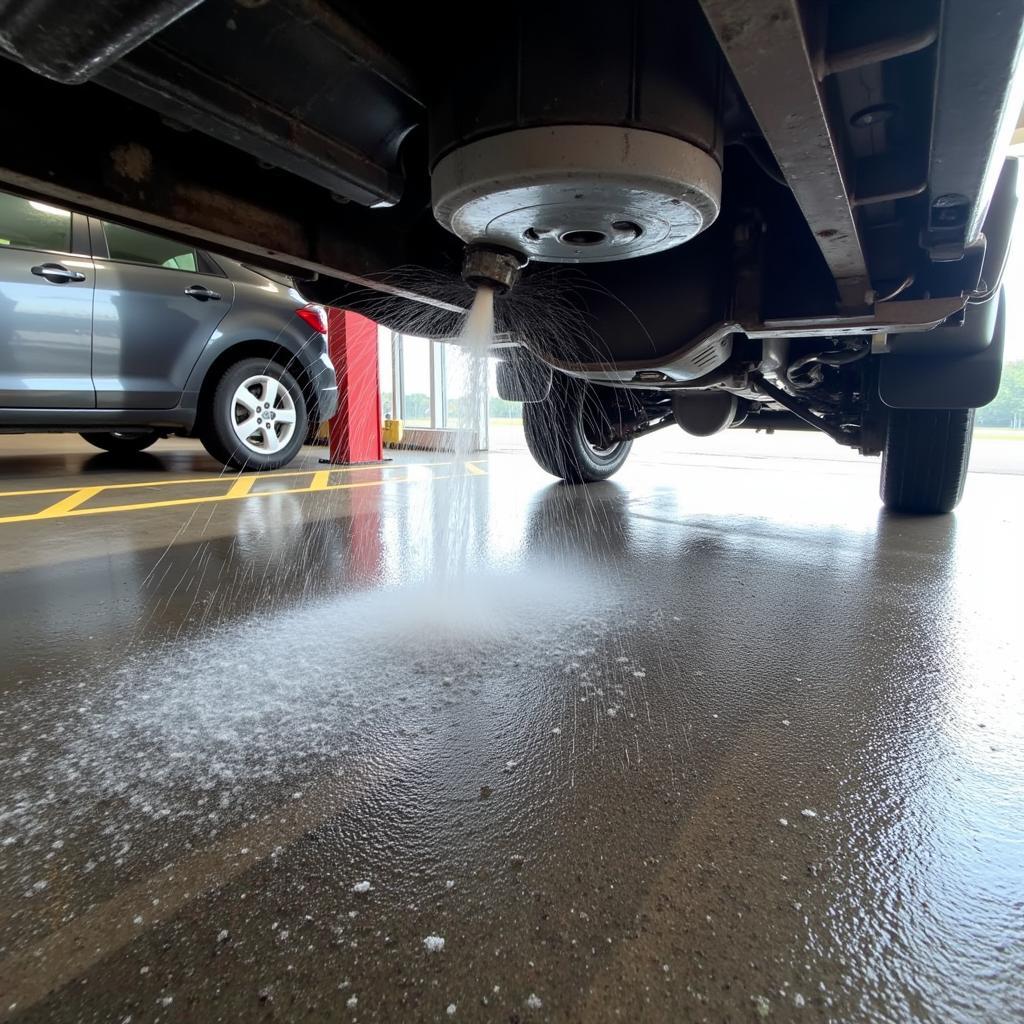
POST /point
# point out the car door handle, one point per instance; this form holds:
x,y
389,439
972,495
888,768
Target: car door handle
x,y
197,291
56,273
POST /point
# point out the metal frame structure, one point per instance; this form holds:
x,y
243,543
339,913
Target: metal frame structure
x,y
438,394
859,141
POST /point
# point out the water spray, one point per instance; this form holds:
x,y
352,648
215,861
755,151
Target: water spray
x,y
490,265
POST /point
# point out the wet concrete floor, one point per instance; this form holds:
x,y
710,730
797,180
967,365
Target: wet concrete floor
x,y
717,740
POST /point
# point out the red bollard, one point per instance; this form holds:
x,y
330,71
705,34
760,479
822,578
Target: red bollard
x,y
355,430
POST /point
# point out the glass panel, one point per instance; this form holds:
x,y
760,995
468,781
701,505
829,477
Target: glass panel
x,y
505,424
416,382
142,247
465,381
386,371
28,224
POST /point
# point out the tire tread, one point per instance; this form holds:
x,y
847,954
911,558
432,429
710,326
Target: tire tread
x,y
554,436
924,465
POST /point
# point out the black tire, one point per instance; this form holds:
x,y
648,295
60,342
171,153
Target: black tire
x,y
217,430
127,443
924,464
560,432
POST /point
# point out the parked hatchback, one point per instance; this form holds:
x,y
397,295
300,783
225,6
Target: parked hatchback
x,y
125,336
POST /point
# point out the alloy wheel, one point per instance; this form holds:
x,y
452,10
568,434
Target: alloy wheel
x,y
263,414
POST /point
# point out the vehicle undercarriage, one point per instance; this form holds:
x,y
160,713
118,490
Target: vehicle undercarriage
x,y
756,213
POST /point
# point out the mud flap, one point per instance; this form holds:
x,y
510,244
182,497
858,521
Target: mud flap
x,y
966,378
522,377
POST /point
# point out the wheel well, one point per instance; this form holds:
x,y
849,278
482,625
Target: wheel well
x,y
248,350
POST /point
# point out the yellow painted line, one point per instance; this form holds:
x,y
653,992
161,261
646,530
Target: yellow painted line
x,y
320,481
241,487
61,508
475,470
202,500
217,479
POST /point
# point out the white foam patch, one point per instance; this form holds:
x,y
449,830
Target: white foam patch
x,y
190,729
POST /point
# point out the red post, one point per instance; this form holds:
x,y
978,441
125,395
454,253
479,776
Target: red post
x,y
355,430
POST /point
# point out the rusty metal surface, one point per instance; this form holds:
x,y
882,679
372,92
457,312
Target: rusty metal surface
x,y
767,48
209,104
335,111
360,48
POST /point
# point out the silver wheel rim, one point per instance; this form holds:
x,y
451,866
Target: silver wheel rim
x,y
263,414
603,453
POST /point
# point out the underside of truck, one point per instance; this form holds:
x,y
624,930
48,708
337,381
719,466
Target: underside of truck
x,y
724,213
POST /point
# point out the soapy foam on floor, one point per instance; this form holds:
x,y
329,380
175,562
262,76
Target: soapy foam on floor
x,y
190,731
457,501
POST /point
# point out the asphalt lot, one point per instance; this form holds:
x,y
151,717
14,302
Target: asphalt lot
x,y
716,740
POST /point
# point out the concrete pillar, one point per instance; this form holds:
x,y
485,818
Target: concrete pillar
x,y
355,430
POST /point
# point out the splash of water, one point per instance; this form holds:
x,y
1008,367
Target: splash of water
x,y
455,513
478,334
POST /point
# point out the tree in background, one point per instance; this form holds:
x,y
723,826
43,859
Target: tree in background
x,y
500,409
416,406
1007,409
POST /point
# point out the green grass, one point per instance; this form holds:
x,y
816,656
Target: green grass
x,y
982,433
998,434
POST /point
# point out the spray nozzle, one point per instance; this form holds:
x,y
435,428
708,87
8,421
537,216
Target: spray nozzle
x,y
493,266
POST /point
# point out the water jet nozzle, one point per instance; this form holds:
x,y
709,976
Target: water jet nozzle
x,y
493,266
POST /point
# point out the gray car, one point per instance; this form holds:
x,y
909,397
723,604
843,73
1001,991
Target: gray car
x,y
125,336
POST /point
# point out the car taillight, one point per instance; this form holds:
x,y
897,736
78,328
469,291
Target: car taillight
x,y
315,316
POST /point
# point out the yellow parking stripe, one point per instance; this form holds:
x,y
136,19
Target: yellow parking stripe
x,y
66,505
474,470
224,477
320,480
241,487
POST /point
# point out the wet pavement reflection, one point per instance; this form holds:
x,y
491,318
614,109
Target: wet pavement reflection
x,y
718,744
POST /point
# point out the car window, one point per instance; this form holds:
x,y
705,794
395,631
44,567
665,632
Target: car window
x,y
142,247
30,224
